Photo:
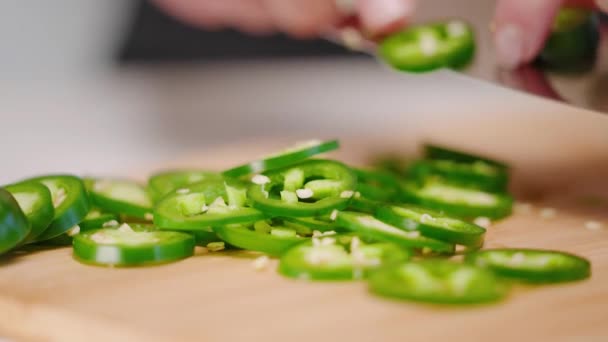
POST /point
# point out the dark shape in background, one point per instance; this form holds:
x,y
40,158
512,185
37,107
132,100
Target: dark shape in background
x,y
154,36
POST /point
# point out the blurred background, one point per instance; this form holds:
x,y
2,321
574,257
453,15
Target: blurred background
x,y
119,88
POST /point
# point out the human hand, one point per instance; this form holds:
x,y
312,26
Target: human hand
x,y
299,18
522,26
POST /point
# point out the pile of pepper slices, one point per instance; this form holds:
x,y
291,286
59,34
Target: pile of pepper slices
x,y
324,220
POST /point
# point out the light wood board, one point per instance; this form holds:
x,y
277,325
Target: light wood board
x,y
45,295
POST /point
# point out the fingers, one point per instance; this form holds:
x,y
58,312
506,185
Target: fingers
x,y
521,27
250,16
208,14
302,18
603,5
383,16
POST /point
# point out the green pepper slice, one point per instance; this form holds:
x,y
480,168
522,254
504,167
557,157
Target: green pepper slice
x,y
285,158
200,206
432,151
203,238
128,247
573,41
432,224
36,203
70,201
311,188
364,205
97,218
439,282
457,201
320,224
120,196
376,185
369,226
532,265
478,175
337,258
163,183
273,239
14,227
392,163
425,48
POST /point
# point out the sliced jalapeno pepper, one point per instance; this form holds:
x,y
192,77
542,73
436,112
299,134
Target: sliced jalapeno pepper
x,y
14,227
323,186
371,227
119,196
96,218
376,185
284,158
36,203
532,265
262,237
438,281
432,224
333,258
432,151
319,224
428,47
70,201
163,183
478,175
457,201
392,163
574,39
127,247
364,205
202,205
203,238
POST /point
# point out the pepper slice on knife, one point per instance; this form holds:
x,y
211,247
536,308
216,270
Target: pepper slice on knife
x,y
428,47
573,41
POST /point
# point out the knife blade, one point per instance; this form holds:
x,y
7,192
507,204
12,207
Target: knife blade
x,y
586,89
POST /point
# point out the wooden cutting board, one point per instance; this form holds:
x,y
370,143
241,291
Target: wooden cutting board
x,y
45,295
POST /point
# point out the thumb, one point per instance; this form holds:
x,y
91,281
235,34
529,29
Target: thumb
x,y
521,27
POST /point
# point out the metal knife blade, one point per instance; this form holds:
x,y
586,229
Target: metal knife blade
x,y
587,89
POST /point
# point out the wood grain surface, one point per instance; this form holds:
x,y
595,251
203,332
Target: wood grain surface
x,y
46,295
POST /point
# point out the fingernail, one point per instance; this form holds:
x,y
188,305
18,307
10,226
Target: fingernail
x,y
509,42
380,14
603,4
